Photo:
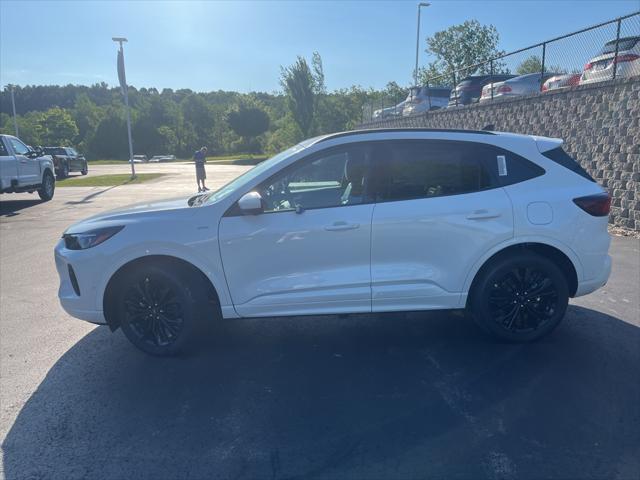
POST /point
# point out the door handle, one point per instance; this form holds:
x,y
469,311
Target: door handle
x,y
341,226
483,214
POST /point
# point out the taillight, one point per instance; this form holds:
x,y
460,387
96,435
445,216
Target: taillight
x,y
588,66
544,87
627,57
597,205
574,80
504,89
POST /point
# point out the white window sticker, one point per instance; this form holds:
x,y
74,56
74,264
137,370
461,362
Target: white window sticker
x,y
502,165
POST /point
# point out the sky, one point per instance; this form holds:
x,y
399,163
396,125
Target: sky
x,y
240,46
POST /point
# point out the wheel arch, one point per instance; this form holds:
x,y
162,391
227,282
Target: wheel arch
x,y
108,299
569,266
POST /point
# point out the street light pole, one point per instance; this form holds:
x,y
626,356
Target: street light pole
x,y
125,93
415,72
13,104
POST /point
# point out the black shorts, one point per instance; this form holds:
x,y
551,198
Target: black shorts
x,y
201,173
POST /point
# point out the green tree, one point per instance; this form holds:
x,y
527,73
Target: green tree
x,y
298,83
459,46
533,64
58,127
248,120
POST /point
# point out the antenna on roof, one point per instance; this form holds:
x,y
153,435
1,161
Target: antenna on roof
x,y
489,127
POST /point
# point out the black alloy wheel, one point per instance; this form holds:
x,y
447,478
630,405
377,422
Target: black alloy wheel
x,y
520,298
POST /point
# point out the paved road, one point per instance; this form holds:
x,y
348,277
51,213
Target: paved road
x,y
365,396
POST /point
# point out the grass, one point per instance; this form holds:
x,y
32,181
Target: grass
x,y
107,180
126,162
239,159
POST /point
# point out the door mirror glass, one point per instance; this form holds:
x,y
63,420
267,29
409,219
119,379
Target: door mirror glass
x,y
251,203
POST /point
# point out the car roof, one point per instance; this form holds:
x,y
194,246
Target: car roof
x,y
332,136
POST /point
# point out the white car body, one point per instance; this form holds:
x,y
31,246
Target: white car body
x,y
20,169
415,254
627,64
561,81
514,87
394,111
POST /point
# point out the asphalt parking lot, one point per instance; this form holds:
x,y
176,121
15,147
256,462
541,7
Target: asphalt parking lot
x,y
415,395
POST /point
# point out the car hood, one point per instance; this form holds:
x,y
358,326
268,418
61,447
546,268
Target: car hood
x,y
136,212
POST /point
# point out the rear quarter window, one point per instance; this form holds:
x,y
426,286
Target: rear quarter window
x,y
506,167
3,149
559,156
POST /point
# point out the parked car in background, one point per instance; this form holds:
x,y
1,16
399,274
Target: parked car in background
x,y
67,160
23,169
162,158
515,87
627,63
140,159
394,111
561,81
423,99
508,226
470,88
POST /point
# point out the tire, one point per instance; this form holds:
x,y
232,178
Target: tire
x,y
48,186
85,169
159,309
64,171
520,298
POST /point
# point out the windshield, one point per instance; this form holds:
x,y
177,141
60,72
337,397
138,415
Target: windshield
x,y
253,173
623,45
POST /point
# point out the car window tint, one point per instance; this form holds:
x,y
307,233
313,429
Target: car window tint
x,y
424,169
19,147
333,179
561,157
508,167
3,149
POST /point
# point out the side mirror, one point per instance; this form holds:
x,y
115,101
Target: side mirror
x,y
251,203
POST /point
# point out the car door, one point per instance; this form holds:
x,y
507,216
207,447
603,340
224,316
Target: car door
x,y
74,160
309,251
438,210
28,168
8,165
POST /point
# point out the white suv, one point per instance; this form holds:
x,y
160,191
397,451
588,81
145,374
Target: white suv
x,y
506,225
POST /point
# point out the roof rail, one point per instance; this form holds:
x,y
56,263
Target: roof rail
x,y
401,129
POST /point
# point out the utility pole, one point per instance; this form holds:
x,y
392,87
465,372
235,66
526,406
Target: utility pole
x,y
125,92
13,104
415,73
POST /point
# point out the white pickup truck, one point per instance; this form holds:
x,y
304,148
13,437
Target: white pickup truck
x,y
22,169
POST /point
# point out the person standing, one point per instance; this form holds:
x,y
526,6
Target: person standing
x,y
200,157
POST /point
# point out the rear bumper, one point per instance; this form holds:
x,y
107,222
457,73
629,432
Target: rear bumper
x,y
587,286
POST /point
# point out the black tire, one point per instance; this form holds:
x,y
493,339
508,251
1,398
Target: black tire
x,y
48,186
63,172
85,169
520,298
159,309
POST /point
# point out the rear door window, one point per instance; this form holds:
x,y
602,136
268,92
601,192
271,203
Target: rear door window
x,y
426,168
3,149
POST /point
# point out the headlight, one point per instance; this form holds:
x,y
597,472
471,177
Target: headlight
x,y
90,238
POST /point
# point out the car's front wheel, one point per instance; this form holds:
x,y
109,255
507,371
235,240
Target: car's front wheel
x,y
159,309
63,171
520,298
85,168
45,192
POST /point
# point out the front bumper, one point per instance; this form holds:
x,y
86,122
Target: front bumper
x,y
83,306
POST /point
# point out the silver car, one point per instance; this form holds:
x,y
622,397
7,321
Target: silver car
x,y
394,111
423,99
627,63
514,87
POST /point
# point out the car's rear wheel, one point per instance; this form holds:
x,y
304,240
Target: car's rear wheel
x,y
159,309
520,298
63,172
48,186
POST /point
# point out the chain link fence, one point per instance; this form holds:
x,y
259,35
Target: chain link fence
x,y
602,52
